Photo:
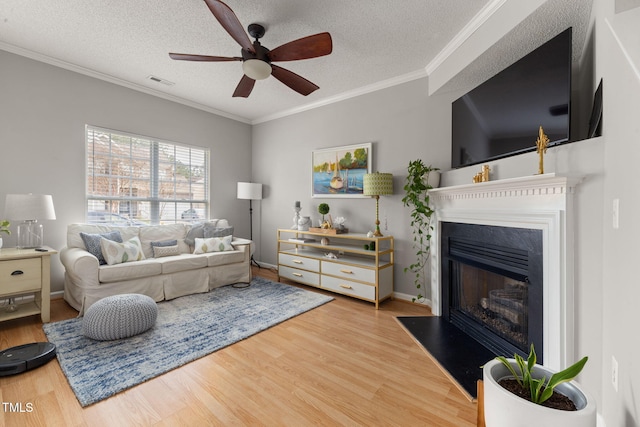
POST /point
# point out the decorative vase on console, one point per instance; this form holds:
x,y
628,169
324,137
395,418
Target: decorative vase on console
x,y
304,223
296,217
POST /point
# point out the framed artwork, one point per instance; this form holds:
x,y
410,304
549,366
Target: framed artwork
x,y
339,171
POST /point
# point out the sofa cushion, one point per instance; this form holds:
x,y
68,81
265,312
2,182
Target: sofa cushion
x,y
182,262
129,271
161,233
75,241
118,253
213,244
223,258
92,242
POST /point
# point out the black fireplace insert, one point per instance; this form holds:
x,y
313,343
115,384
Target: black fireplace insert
x,y
492,285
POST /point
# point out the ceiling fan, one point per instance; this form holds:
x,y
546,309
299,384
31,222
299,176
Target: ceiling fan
x,y
257,59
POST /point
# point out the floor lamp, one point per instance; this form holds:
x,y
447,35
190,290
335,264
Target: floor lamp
x,y
250,191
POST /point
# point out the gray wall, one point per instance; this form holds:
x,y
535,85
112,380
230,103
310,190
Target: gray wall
x,y
43,112
402,122
618,61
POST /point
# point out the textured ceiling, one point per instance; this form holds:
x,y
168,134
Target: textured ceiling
x,y
375,43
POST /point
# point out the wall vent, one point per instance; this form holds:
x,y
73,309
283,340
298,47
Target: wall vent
x,y
159,80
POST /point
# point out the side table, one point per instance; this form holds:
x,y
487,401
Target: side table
x,y
26,271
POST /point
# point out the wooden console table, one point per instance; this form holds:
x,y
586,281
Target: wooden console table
x,y
361,273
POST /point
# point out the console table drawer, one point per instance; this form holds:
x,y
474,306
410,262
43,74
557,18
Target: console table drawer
x,y
348,287
299,262
301,276
20,275
349,272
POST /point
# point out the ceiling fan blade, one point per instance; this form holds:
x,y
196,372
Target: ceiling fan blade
x,y
230,22
245,87
304,48
294,81
190,57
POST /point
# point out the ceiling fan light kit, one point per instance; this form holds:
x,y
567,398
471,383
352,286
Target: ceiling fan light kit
x,y
256,69
256,59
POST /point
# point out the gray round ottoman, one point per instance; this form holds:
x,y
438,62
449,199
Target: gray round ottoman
x,y
119,316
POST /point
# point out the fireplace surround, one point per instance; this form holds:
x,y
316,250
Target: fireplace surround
x,y
539,202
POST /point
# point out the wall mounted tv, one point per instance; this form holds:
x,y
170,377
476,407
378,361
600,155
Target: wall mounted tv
x,y
501,117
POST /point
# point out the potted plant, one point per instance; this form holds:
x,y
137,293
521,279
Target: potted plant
x,y
323,209
519,392
416,197
4,228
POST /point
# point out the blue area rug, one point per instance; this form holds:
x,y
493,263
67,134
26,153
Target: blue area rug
x,y
187,328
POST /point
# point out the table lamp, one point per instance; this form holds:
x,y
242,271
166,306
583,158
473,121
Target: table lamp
x,y
377,184
30,208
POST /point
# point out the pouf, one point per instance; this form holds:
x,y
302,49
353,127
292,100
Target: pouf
x,y
119,316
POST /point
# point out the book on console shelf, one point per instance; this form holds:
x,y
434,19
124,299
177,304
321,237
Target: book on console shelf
x,y
301,240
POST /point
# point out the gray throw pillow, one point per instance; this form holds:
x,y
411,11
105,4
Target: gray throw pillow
x,y
92,243
165,243
217,231
196,230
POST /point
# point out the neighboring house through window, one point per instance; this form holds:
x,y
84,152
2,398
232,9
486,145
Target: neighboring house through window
x,y
136,180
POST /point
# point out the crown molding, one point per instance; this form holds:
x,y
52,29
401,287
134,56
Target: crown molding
x,y
419,74
478,21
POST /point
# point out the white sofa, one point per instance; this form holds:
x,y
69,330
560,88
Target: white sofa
x,y
161,278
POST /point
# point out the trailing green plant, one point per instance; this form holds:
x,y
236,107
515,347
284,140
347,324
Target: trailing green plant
x,y
417,198
540,391
4,226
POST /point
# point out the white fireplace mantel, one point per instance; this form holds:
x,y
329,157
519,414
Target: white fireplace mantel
x,y
542,202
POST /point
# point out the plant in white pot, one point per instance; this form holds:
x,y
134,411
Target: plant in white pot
x,y
519,392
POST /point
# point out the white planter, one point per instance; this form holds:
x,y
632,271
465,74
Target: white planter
x,y
434,179
504,409
0,242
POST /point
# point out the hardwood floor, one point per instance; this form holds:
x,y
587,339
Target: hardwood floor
x,y
343,363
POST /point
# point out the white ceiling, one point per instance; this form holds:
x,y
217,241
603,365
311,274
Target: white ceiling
x,y
376,43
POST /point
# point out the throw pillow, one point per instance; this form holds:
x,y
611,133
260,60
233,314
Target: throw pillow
x,y
160,251
210,231
117,253
92,242
213,244
156,245
196,231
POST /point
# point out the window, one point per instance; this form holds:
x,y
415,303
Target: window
x,y
135,180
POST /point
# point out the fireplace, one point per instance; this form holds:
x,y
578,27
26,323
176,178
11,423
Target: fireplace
x,y
492,285
539,205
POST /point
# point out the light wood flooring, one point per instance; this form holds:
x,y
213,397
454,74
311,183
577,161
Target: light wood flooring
x,y
343,363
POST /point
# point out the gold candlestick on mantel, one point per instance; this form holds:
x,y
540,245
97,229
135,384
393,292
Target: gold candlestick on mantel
x,y
541,143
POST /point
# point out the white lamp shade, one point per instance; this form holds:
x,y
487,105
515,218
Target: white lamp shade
x,y
256,69
377,184
249,190
29,207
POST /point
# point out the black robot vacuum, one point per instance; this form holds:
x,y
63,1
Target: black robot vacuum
x,y
25,357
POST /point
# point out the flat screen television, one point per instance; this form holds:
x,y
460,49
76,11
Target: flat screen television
x,y
501,117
